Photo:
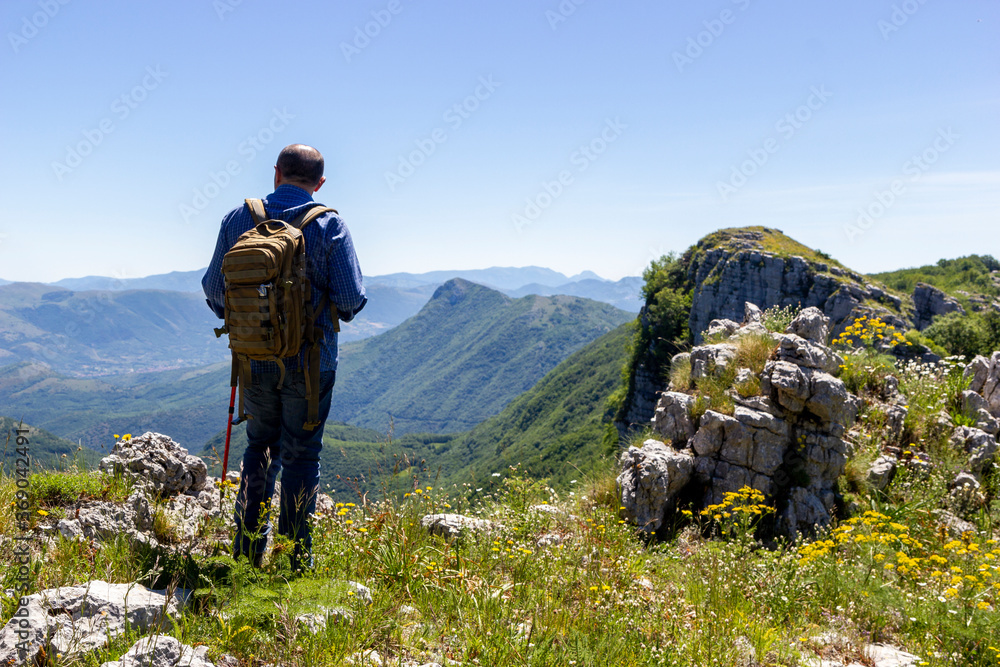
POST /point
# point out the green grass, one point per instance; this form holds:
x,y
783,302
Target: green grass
x,y
603,596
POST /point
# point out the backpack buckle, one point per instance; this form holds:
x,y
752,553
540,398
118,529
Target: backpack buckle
x,y
262,290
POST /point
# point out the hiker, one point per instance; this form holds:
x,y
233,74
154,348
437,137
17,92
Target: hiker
x,y
282,398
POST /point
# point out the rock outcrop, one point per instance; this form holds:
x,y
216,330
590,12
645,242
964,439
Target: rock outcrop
x,y
732,267
77,619
930,302
786,442
156,461
162,650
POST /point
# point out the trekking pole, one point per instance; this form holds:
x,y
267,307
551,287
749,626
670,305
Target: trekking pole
x,y
229,431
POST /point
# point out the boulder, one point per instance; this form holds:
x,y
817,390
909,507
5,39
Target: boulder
x,y
451,526
672,418
810,324
156,461
752,314
162,651
723,328
980,445
930,302
807,354
650,478
881,472
78,619
711,359
984,375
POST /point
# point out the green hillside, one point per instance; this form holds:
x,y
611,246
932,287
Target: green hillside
x,y
972,274
462,358
556,428
190,404
45,450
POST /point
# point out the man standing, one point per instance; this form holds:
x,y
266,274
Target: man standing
x,y
277,439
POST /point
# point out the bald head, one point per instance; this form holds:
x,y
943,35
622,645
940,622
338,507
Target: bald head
x,y
300,165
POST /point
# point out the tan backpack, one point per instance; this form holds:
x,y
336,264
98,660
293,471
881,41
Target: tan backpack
x,y
268,301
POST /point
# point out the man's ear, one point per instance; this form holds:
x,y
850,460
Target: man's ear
x,y
277,176
322,180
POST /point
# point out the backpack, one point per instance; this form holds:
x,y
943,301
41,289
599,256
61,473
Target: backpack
x,y
268,302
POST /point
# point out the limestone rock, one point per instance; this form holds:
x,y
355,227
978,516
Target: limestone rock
x,y
881,472
162,651
810,324
723,328
752,314
672,418
786,384
451,526
155,460
929,302
650,478
807,354
980,445
711,359
78,619
955,526
985,381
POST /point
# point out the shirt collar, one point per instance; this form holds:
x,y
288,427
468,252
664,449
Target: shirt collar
x,y
287,196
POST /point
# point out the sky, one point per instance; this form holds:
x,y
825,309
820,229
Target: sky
x,y
573,134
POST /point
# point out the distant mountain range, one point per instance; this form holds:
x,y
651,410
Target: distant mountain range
x,y
100,333
97,326
499,278
460,360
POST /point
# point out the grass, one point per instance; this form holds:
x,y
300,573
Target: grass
x,y
598,595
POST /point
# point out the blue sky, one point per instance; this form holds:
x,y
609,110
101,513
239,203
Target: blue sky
x,y
590,136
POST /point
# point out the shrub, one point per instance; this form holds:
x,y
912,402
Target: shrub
x,y
777,319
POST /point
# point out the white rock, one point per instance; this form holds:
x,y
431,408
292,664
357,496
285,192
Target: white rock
x,y
453,525
162,651
78,619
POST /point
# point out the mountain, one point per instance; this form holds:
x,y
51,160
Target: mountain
x,y
624,294
100,333
387,307
44,449
462,358
175,281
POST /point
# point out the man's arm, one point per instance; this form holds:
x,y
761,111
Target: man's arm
x,y
347,290
212,283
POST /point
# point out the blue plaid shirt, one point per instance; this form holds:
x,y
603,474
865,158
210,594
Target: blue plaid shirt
x,y
331,264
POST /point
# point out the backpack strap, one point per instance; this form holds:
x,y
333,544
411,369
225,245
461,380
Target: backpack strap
x,y
257,211
314,212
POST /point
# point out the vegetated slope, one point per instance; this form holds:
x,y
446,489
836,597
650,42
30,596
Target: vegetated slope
x,y
354,461
962,278
462,358
101,333
555,429
44,449
190,405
